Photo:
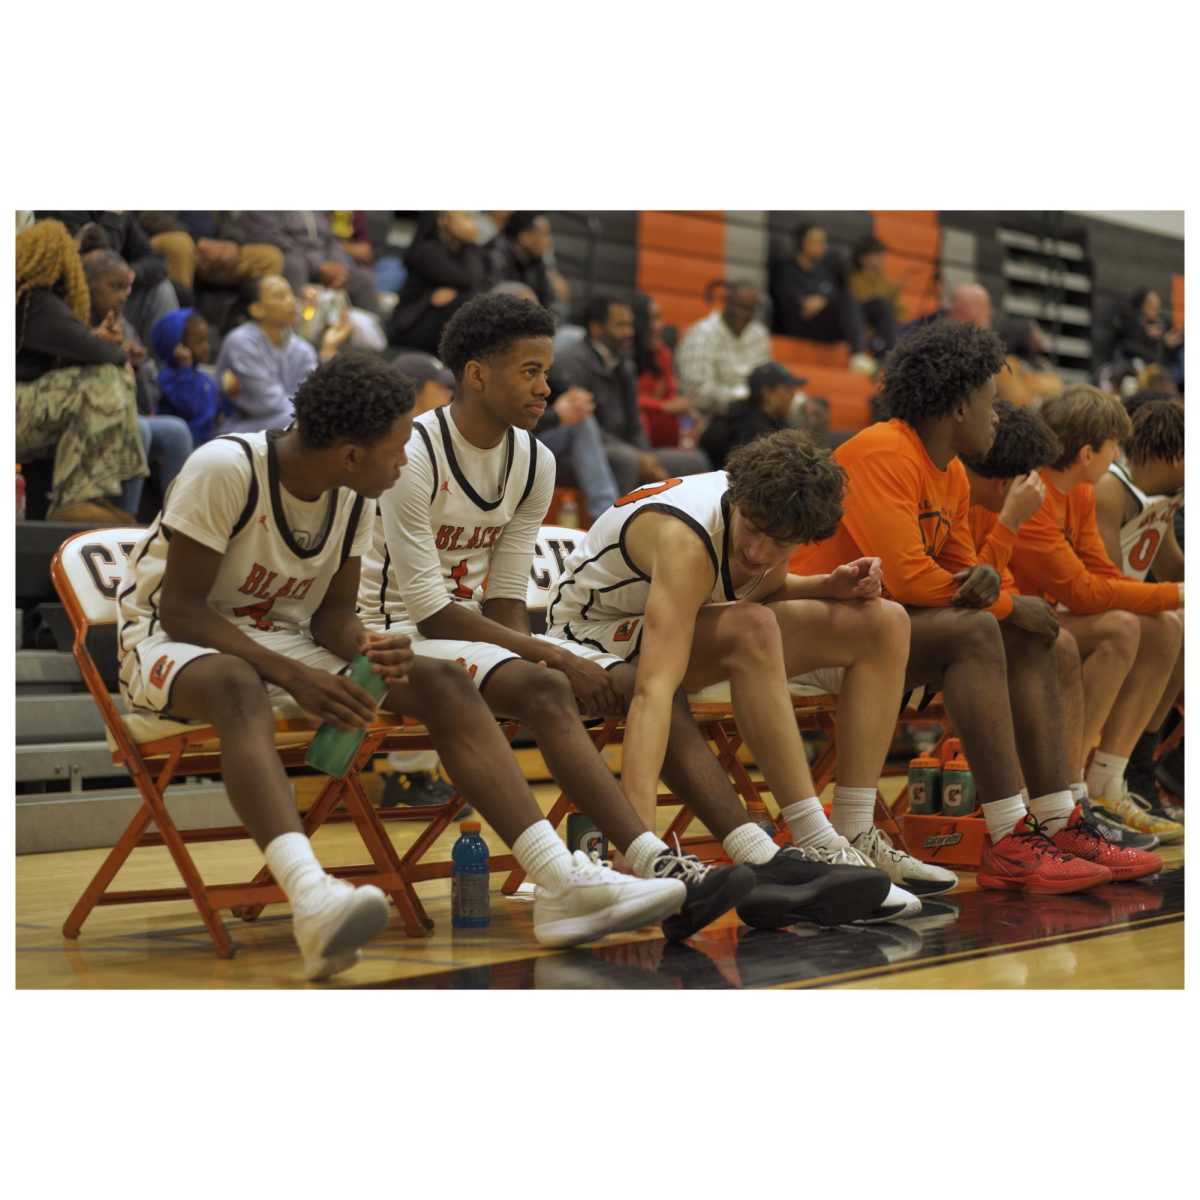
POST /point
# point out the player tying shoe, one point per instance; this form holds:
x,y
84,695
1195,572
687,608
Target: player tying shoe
x,y
688,578
259,537
1006,490
468,509
990,653
1061,556
1137,503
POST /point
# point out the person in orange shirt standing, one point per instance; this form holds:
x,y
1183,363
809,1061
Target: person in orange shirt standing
x,y
1006,490
1061,556
990,653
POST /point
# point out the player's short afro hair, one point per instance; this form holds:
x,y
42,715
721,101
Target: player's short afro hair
x,y
488,327
355,397
937,367
787,486
1024,443
1157,433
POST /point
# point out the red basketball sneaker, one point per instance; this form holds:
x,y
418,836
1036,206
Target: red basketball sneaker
x,y
1081,837
1028,861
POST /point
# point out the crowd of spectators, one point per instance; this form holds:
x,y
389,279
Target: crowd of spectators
x,y
141,335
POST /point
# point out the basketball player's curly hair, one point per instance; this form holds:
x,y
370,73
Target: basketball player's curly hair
x,y
488,327
46,257
355,397
787,486
937,367
1157,433
1024,443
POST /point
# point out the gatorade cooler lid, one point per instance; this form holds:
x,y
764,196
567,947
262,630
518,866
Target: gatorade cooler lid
x,y
469,826
924,760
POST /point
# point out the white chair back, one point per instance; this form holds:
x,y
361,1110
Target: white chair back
x,y
554,545
92,568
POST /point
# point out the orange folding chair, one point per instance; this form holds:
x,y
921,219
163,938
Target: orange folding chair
x,y
87,571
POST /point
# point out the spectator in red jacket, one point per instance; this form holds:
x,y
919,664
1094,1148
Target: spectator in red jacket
x,y
668,417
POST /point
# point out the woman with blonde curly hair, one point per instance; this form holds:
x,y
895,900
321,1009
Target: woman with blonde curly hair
x,y
75,390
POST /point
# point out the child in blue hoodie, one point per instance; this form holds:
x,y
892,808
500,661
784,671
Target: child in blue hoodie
x,y
181,343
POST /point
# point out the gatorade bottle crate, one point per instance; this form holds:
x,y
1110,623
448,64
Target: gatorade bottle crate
x,y
942,838
947,841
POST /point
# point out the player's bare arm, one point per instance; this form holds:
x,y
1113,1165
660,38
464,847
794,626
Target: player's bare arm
x,y
190,573
1112,511
682,577
335,625
861,579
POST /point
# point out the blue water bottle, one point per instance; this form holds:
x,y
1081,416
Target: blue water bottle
x,y
469,879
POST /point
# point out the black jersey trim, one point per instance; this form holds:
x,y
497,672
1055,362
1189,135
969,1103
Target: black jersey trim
x,y
351,530
432,459
533,458
679,515
456,470
281,520
726,580
570,579
251,494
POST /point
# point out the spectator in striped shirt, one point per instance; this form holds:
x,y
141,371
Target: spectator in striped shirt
x,y
718,353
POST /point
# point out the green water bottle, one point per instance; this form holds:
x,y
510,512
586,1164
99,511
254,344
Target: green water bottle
x,y
958,789
333,750
583,835
924,784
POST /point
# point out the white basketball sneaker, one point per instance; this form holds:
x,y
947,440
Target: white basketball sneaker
x,y
920,878
333,920
595,900
897,904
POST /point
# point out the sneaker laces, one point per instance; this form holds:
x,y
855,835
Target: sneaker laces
x,y
843,853
677,865
876,842
1035,832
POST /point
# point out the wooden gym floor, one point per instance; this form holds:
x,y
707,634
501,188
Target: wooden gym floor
x,y
1121,936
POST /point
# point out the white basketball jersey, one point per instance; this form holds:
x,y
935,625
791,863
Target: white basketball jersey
x,y
465,525
601,583
266,579
1143,533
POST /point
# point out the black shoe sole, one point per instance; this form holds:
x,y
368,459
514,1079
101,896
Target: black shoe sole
x,y
831,900
709,901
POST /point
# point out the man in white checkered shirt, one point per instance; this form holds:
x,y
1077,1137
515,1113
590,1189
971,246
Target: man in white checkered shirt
x,y
718,353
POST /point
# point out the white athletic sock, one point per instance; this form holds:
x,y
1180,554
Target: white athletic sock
x,y
1079,792
291,860
1002,815
413,760
853,811
642,852
1053,810
1105,767
749,843
542,855
808,823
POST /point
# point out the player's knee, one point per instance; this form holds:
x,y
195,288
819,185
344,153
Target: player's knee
x,y
1121,632
1162,632
546,693
756,638
890,624
975,631
243,696
1066,653
446,684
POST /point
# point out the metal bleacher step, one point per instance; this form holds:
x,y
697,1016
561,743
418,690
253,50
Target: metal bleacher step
x,y
66,762
1020,240
56,821
73,717
36,668
1027,272
1041,310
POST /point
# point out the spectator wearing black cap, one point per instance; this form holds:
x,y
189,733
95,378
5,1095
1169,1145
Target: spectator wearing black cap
x,y
810,303
435,381
519,253
878,295
772,393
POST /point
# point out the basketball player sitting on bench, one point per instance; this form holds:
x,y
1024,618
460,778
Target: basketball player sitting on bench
x,y
468,509
261,534
689,579
1006,490
1061,555
990,653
